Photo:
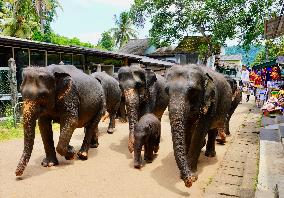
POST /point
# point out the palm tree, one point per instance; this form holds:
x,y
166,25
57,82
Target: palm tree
x,y
123,32
42,7
21,21
27,16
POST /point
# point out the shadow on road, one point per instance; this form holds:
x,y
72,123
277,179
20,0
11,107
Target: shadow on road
x,y
166,177
122,147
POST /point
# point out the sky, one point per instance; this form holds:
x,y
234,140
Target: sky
x,y
87,19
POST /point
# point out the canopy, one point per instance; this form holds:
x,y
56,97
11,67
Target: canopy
x,y
266,64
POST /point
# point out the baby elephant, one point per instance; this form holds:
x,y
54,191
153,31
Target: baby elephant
x,y
147,133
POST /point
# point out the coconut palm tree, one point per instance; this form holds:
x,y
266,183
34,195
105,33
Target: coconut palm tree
x,y
21,21
123,30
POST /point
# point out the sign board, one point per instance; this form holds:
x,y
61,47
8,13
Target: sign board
x,y
274,28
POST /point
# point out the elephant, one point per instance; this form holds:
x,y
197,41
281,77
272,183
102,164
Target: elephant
x,y
147,133
112,95
144,92
236,99
121,111
62,94
200,100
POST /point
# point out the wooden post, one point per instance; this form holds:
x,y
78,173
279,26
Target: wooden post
x,y
13,86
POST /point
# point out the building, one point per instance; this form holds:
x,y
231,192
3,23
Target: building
x,y
230,64
187,51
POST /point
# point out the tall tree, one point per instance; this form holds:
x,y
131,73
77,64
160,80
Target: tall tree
x,y
21,20
123,30
107,41
216,20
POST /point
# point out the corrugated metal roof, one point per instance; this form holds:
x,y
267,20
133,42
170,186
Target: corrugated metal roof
x,y
12,41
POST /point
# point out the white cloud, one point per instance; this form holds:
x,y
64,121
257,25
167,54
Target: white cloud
x,y
120,3
89,37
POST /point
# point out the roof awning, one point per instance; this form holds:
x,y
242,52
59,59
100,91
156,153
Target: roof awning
x,y
265,65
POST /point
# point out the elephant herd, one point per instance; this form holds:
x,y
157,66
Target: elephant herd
x,y
200,103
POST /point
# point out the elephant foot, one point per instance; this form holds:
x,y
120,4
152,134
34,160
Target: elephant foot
x,y
210,153
228,132
83,155
70,155
156,149
122,120
148,159
137,165
221,137
94,143
110,130
194,177
188,182
49,161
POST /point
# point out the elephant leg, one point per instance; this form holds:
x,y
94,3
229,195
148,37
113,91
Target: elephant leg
x,y
89,131
122,112
94,140
195,147
112,116
210,146
45,128
157,144
149,153
67,126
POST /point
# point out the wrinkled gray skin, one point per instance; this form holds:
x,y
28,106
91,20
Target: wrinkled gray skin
x,y
112,94
121,110
147,133
61,94
236,99
144,92
200,100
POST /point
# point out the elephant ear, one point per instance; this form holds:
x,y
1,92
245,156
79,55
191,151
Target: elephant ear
x,y
209,95
64,84
150,77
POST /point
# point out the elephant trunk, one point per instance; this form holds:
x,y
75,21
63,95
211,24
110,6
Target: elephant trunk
x,y
177,114
29,123
132,106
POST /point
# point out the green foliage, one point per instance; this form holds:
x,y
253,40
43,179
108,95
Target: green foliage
x,y
275,49
215,19
123,30
107,41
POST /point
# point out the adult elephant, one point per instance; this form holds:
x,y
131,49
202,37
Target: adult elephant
x,y
200,100
61,94
112,95
121,110
236,99
144,92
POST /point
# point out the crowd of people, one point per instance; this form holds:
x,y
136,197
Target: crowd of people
x,y
267,87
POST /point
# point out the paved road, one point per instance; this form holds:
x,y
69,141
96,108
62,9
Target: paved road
x,y
109,171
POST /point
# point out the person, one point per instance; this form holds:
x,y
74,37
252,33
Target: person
x,y
247,92
261,93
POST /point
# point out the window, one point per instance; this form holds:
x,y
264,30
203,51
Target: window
x,y
38,58
22,61
78,61
53,58
67,59
5,55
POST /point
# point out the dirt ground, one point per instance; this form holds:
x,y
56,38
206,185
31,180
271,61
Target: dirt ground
x,y
109,170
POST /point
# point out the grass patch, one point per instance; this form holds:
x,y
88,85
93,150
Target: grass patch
x,y
9,132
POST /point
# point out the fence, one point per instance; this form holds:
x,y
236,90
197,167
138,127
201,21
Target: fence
x,y
9,105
